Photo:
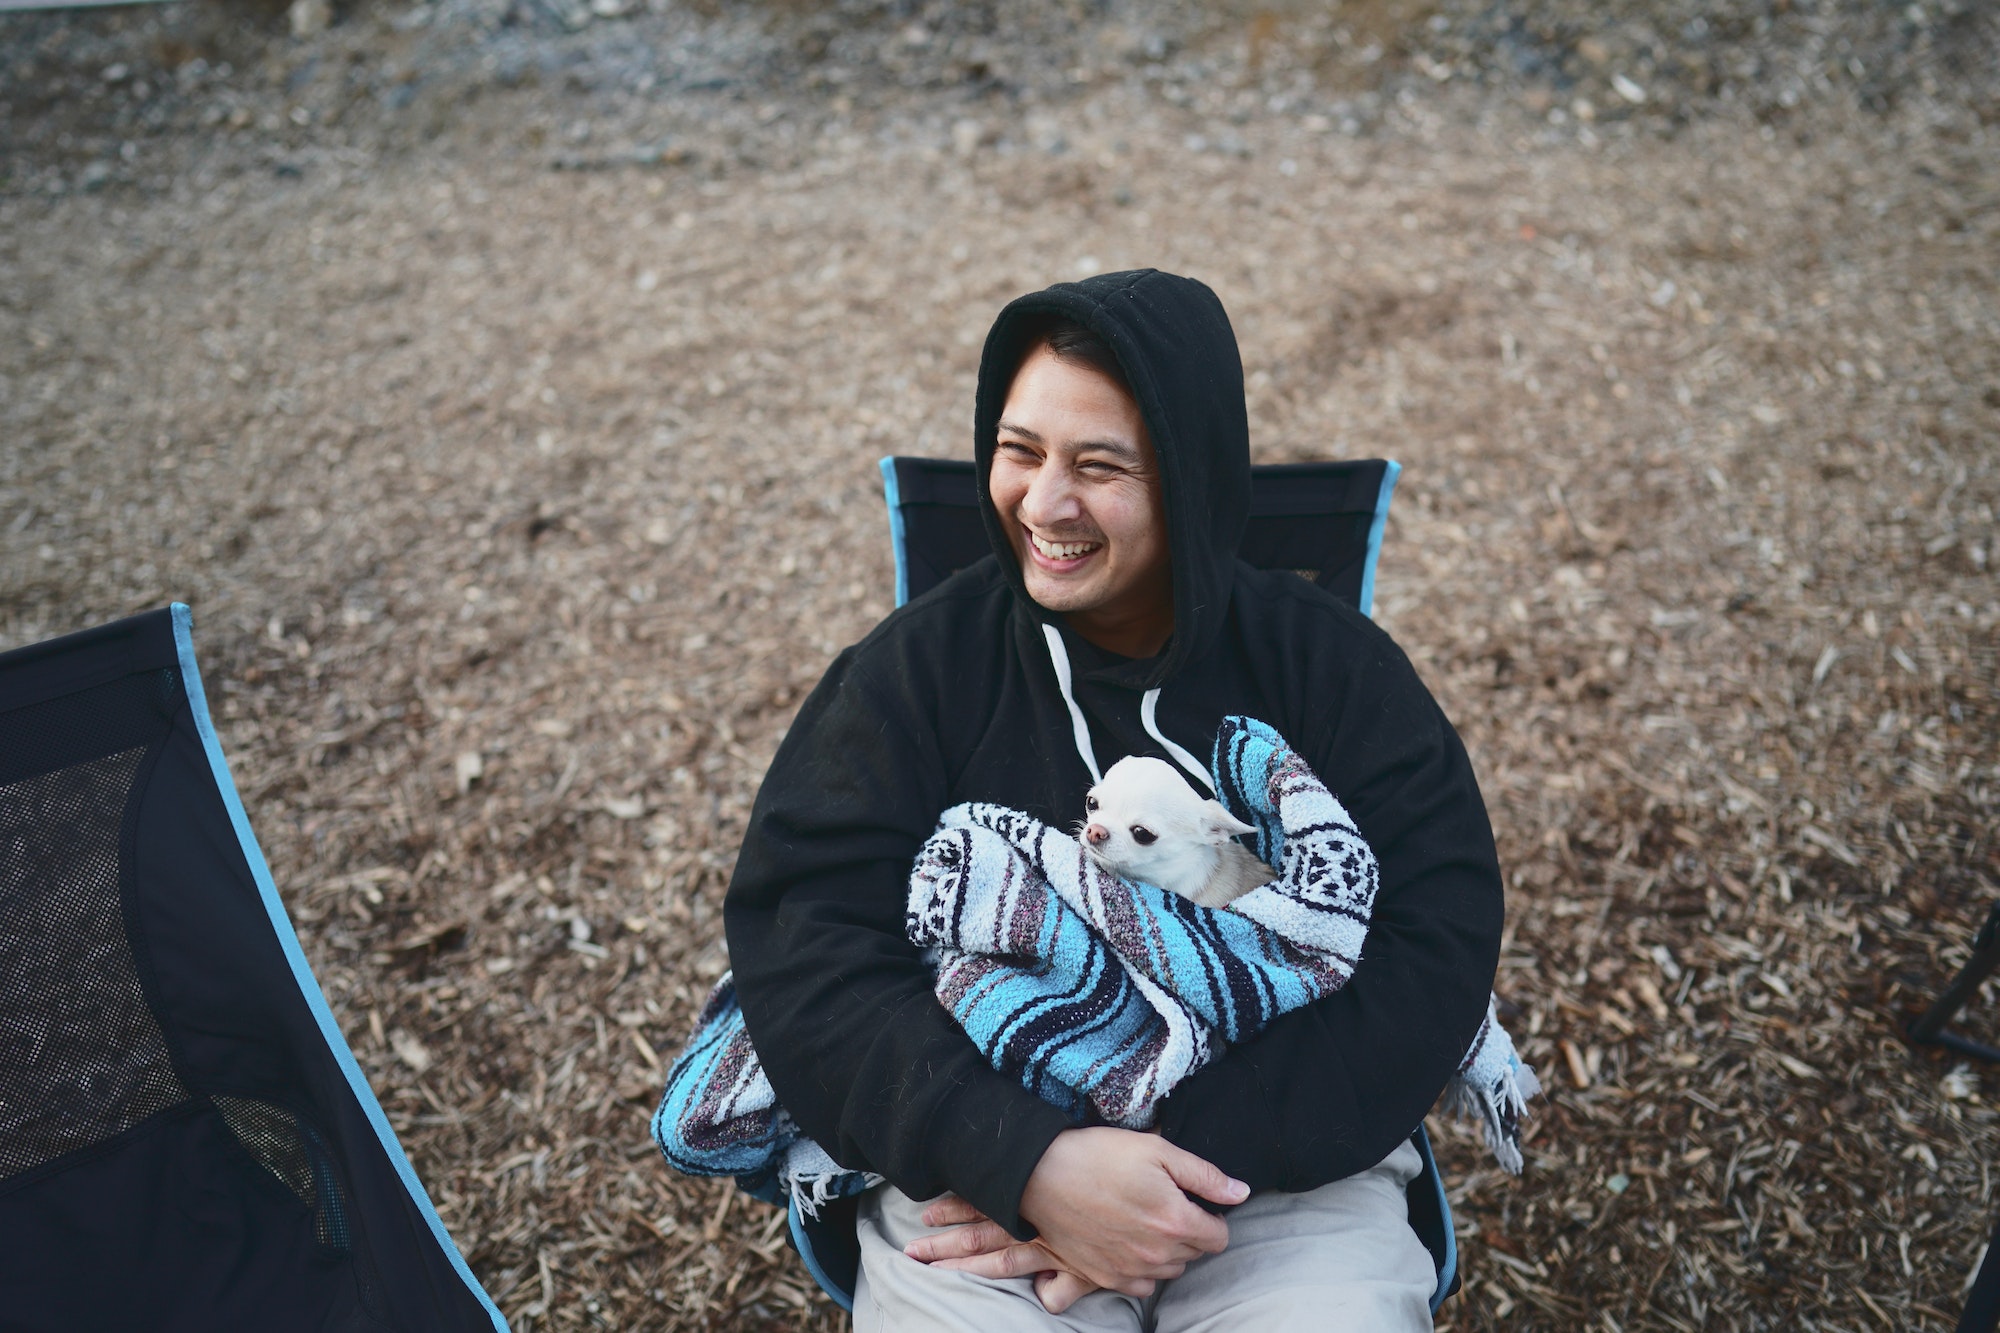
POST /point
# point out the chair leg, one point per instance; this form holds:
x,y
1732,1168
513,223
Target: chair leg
x,y
1982,1306
1930,1030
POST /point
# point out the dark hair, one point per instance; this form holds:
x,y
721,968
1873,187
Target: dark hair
x,y
1069,340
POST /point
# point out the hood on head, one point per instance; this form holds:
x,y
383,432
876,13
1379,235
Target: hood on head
x,y
1178,352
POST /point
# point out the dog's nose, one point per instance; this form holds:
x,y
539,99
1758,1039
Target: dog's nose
x,y
1095,834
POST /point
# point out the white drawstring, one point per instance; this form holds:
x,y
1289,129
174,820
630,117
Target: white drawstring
x,y
1059,658
1149,704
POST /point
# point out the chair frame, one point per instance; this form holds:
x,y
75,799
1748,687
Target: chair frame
x,y
1357,491
1930,1029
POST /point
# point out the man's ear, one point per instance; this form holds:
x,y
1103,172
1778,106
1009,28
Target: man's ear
x,y
1218,823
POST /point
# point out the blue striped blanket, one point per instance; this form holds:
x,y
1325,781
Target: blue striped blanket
x,y
1098,993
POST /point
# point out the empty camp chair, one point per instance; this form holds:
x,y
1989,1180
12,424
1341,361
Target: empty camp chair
x,y
186,1142
1323,520
1932,1028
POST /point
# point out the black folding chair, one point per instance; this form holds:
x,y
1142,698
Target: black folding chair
x,y
1322,520
1932,1028
186,1141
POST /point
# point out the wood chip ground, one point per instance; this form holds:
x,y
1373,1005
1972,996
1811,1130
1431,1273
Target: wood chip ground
x,y
519,508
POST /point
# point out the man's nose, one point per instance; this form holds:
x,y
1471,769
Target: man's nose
x,y
1051,497
1095,834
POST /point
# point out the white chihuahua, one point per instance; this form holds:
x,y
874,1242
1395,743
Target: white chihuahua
x,y
1146,823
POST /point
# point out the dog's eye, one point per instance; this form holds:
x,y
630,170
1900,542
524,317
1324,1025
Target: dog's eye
x,y
1144,836
1090,804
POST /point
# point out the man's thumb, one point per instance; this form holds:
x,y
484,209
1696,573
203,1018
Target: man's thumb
x,y
1202,1178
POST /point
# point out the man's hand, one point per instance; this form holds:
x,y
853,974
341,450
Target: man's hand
x,y
1112,1211
974,1236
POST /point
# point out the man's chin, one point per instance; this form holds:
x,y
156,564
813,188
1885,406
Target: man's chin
x,y
1059,594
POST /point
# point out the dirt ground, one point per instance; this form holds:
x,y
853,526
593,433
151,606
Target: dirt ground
x,y
503,388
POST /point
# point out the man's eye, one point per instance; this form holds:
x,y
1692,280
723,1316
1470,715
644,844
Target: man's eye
x,y
1090,804
1144,836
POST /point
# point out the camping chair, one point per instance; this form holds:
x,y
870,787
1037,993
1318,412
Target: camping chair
x,y
186,1142
1323,520
1930,1029
1982,1303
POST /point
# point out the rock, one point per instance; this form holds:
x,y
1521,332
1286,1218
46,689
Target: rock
x,y
410,1051
662,153
625,807
1045,132
309,18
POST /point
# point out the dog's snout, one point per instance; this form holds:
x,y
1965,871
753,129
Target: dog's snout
x,y
1095,834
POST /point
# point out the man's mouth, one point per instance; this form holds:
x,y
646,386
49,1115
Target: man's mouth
x,y
1062,551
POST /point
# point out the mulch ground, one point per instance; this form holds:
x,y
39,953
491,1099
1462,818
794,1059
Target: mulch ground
x,y
520,504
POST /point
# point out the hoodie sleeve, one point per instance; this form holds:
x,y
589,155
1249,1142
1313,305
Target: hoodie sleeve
x,y
1328,1090
837,1000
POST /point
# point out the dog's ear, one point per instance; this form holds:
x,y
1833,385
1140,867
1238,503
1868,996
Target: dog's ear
x,y
1217,823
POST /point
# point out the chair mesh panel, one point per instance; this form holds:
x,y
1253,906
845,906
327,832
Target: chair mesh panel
x,y
81,1056
296,1154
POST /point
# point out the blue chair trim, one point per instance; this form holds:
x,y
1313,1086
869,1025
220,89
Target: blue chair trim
x,y
802,1242
302,974
892,493
1447,1270
1389,474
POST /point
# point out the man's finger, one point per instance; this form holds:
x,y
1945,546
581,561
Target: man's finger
x,y
1061,1289
960,1242
1200,1177
948,1210
1017,1260
1204,1232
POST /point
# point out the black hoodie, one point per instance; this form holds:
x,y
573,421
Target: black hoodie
x,y
955,697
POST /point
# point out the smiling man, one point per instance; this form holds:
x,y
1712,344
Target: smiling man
x,y
1113,619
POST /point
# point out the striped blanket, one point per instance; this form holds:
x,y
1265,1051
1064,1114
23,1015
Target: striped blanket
x,y
1099,994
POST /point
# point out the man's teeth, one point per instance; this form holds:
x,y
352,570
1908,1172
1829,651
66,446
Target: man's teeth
x,y
1063,550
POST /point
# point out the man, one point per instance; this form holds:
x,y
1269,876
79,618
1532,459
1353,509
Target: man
x,y
1112,619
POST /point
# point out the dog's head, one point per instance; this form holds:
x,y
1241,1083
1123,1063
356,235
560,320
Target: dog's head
x,y
1144,821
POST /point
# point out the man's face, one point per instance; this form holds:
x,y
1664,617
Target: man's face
x,y
1077,487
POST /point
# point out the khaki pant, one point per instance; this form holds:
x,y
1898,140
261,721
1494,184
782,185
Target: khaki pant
x,y
1341,1258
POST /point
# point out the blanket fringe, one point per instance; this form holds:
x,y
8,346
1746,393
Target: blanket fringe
x,y
1493,1084
1499,1109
